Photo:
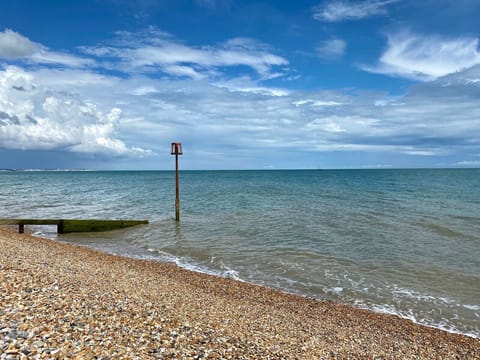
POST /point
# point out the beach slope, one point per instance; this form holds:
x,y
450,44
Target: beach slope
x,y
63,301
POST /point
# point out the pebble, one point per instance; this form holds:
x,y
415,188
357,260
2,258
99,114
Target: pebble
x,y
60,301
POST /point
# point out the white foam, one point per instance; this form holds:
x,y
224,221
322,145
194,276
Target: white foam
x,y
444,325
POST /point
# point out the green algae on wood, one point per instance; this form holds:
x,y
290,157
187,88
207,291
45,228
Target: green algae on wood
x,y
68,226
96,225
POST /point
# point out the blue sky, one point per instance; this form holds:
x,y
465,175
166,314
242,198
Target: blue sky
x,y
109,84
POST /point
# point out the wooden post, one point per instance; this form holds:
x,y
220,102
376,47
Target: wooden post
x,y
60,227
21,228
177,191
177,150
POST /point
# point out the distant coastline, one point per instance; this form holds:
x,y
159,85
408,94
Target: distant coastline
x,y
36,170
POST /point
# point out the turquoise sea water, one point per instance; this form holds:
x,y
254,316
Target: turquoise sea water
x,y
405,242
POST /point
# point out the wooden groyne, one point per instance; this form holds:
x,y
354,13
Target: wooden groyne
x,y
65,226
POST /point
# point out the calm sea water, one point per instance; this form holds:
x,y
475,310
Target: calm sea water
x,y
405,242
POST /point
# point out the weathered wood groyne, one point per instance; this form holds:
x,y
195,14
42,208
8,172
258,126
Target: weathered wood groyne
x,y
65,226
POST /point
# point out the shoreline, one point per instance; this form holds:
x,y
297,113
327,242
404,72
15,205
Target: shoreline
x,y
176,260
67,300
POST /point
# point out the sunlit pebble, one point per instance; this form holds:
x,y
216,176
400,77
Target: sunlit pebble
x,y
81,304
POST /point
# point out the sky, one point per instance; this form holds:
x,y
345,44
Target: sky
x,y
109,84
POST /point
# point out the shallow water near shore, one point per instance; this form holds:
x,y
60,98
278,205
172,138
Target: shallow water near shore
x,y
405,242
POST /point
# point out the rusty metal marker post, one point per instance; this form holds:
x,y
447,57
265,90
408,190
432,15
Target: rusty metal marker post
x,y
177,150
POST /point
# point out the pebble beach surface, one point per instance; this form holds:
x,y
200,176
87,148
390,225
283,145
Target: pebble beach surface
x,y
59,301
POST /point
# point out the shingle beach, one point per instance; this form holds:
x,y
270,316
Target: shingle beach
x,y
59,301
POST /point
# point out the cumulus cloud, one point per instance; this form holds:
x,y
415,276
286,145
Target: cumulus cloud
x,y
339,10
39,118
41,109
433,120
154,50
227,119
331,49
424,57
16,46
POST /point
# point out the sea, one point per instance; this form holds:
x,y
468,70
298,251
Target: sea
x,y
403,242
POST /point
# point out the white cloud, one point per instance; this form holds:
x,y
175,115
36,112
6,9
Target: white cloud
x,y
331,49
325,124
78,110
16,46
246,84
426,57
153,50
181,70
422,152
35,117
338,10
47,109
51,57
468,163
316,103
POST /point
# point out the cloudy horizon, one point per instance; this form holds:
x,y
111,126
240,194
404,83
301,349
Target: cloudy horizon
x,y
256,85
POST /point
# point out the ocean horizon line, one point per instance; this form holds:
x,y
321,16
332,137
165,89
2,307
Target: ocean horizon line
x,y
252,169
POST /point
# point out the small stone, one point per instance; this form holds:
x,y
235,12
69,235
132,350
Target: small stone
x,y
11,347
102,310
23,334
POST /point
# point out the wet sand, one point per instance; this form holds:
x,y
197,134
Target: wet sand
x,y
60,301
